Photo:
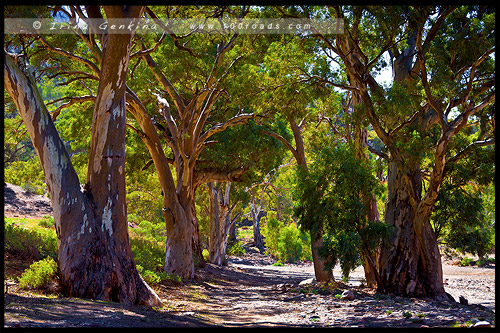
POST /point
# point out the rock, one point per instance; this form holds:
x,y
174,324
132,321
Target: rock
x,y
482,324
463,300
348,295
306,282
294,298
281,287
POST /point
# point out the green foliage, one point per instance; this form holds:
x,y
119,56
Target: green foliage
x,y
285,242
290,244
407,314
38,275
463,216
236,249
147,252
466,261
330,195
36,242
47,221
153,278
271,228
27,174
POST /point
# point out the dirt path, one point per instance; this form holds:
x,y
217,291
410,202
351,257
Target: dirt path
x,y
251,292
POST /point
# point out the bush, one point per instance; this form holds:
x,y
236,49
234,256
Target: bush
x,y
38,275
271,228
148,252
290,244
47,221
236,250
286,243
466,261
35,243
153,278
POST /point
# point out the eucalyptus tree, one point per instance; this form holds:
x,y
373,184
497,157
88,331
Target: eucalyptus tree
x,y
176,96
257,154
290,95
196,96
94,254
442,59
332,192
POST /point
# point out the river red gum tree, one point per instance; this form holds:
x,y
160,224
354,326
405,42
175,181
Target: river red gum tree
x,y
94,254
186,134
410,262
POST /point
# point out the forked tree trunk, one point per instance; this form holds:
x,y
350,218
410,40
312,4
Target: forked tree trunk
x,y
94,254
410,262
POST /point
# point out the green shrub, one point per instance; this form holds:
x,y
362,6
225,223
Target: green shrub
x,y
35,243
153,278
407,314
290,244
38,275
271,230
205,254
466,261
27,174
148,252
286,243
236,250
46,221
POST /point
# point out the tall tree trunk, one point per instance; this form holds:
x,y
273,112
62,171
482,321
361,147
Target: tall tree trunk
x,y
94,255
257,235
179,249
220,223
410,262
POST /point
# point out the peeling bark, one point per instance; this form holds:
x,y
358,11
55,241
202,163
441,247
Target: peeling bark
x,y
94,255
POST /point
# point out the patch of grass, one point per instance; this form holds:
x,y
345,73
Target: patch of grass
x,y
153,278
278,263
38,275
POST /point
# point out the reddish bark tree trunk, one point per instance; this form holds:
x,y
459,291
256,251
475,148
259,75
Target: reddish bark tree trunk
x,y
94,255
410,262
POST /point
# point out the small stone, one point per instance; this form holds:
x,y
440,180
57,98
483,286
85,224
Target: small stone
x,y
348,295
306,282
482,324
